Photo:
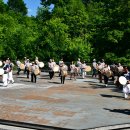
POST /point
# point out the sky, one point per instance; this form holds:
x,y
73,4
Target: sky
x,y
32,6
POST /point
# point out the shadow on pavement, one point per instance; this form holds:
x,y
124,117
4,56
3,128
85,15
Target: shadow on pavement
x,y
123,111
54,82
25,80
110,96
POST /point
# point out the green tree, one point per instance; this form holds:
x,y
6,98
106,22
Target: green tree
x,y
109,24
2,7
18,6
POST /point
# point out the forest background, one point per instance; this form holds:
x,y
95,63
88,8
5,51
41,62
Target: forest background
x,y
73,29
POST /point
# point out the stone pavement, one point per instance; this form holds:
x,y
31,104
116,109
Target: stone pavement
x,y
77,104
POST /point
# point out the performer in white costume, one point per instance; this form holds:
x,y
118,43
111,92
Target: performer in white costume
x,y
5,75
83,65
126,87
10,74
33,74
51,65
72,70
78,64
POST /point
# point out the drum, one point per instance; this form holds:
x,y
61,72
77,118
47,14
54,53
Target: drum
x,y
1,63
41,64
1,71
64,73
22,66
109,73
122,80
87,68
36,71
28,68
56,68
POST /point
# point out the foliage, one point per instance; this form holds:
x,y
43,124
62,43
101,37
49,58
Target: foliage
x,y
18,6
73,29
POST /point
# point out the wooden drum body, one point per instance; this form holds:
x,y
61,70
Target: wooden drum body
x,y
22,66
87,68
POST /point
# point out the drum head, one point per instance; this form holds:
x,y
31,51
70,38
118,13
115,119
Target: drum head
x,y
41,64
1,71
87,68
56,68
1,63
122,80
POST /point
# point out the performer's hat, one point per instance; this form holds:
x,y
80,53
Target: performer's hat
x,y
94,59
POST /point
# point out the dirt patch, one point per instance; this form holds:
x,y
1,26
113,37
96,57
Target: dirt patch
x,y
73,88
43,98
16,113
23,118
10,108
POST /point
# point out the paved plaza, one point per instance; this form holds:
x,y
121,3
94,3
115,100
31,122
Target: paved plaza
x,y
77,104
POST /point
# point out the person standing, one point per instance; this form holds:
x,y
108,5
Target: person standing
x,y
10,73
63,71
79,66
126,88
72,70
60,64
54,64
94,66
25,61
27,66
33,69
5,75
51,66
83,65
100,68
18,66
105,70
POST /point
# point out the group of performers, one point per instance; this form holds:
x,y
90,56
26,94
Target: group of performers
x,y
100,69
61,68
29,67
114,71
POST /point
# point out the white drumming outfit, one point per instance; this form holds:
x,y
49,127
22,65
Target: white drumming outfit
x,y
79,66
73,71
51,66
18,66
5,75
72,68
126,88
10,74
83,70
